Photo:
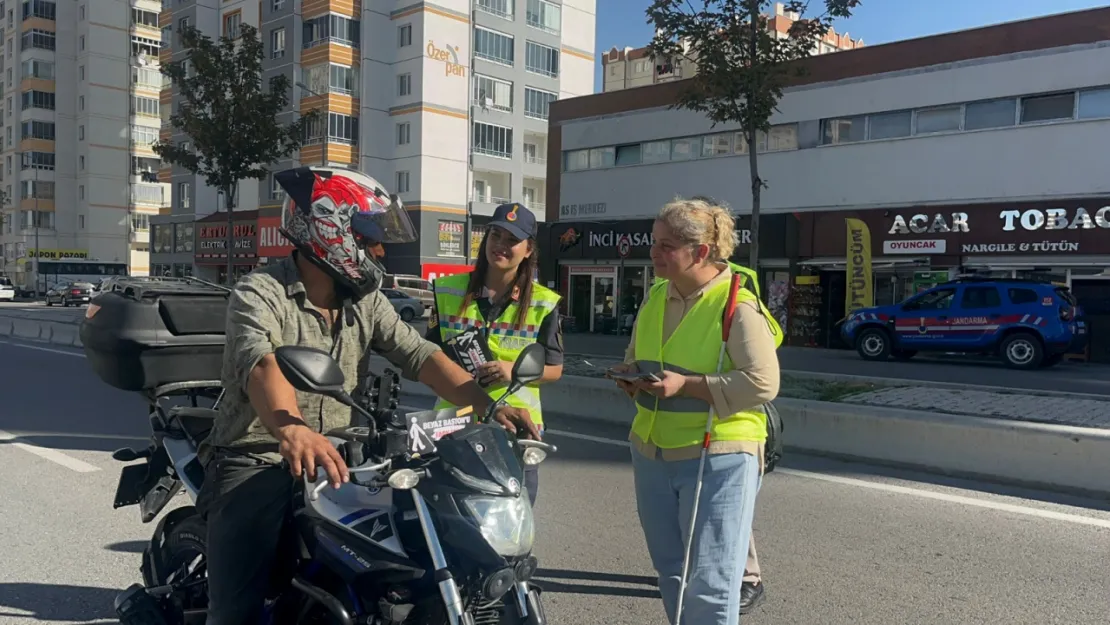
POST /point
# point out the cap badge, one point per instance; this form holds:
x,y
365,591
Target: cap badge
x,y
512,214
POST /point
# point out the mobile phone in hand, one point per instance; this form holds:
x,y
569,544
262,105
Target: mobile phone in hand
x,y
632,376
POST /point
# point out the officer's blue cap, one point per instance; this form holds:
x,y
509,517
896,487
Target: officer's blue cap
x,y
515,218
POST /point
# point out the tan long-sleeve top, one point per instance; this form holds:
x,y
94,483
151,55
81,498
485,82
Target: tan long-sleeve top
x,y
753,380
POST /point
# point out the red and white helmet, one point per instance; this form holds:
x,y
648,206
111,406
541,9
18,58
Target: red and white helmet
x,y
332,215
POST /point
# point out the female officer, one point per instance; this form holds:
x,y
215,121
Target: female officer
x,y
510,309
677,335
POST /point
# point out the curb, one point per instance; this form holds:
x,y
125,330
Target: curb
x,y
1058,458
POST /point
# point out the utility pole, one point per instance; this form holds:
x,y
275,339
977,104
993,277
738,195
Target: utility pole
x,y
35,222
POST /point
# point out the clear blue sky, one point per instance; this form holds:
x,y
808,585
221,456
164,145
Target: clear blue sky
x,y
623,23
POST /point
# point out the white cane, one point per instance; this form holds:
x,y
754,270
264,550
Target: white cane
x,y
726,323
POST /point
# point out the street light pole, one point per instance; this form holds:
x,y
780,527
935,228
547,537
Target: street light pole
x,y
35,223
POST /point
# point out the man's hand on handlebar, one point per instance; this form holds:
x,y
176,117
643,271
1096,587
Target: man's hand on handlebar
x,y
305,450
518,421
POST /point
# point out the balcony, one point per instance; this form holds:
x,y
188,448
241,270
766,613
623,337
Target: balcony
x,y
535,156
490,189
140,236
502,9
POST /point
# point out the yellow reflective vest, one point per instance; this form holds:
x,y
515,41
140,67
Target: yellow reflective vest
x,y
506,339
691,350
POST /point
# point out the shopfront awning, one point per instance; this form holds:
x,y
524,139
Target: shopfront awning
x,y
1027,262
831,263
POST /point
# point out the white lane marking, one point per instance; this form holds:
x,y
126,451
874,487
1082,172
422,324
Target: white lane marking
x,y
44,349
892,488
53,455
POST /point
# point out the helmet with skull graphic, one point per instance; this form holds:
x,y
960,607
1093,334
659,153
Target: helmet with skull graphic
x,y
333,216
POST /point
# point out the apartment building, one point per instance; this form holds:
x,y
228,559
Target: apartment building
x,y
634,67
445,102
78,113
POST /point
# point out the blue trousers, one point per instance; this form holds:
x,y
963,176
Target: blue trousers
x,y
664,500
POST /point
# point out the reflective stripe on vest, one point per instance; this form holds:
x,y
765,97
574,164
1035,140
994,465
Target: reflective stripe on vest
x,y
506,339
691,350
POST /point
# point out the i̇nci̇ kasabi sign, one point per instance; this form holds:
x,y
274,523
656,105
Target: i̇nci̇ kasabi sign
x,y
994,231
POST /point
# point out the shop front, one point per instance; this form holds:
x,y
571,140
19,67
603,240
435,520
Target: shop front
x,y
272,244
1066,242
603,269
212,246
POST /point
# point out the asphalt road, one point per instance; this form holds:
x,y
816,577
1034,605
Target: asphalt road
x,y
840,543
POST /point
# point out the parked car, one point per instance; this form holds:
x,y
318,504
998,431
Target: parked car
x,y
1025,323
7,290
75,294
408,307
413,286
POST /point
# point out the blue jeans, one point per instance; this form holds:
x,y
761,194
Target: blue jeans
x,y
665,498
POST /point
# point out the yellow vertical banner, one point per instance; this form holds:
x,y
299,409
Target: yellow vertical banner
x,y
860,292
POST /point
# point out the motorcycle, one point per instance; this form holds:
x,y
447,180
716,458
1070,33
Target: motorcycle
x,y
433,528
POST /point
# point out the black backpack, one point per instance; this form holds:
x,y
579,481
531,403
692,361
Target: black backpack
x,y
772,450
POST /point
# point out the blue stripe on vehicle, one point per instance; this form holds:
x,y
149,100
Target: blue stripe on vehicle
x,y
356,515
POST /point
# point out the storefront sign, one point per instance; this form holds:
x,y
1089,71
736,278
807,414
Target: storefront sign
x,y
431,271
920,224
271,242
860,292
582,210
1054,219
56,254
925,246
212,240
476,235
1007,248
602,240
449,56
451,238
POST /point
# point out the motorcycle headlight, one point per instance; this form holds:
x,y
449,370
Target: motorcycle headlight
x,y
505,522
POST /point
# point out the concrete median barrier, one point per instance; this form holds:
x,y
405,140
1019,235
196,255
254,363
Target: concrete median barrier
x,y
62,333
1052,457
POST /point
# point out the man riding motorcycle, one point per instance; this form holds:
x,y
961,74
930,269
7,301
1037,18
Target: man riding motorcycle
x,y
324,295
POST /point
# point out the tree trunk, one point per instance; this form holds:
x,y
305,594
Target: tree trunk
x,y
754,25
229,203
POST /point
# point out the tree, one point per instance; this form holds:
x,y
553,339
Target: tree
x,y
742,66
228,116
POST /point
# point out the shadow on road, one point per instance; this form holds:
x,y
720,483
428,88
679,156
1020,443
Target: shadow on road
x,y
648,588
56,602
128,546
77,442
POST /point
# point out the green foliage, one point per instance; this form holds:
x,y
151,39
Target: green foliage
x,y
227,114
742,65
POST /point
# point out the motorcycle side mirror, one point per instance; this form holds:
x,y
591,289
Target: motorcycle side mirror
x,y
312,370
529,365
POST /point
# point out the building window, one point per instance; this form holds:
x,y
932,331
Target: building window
x,y
36,189
1094,104
140,222
39,130
843,130
493,46
537,103
717,145
628,154
544,15
602,157
45,10
342,128
144,135
944,119
42,39
1048,108
148,77
402,182
37,100
493,140
277,5
404,35
147,193
681,149
889,125
139,17
656,151
577,160
331,29
146,107
35,68
80,102
500,8
343,79
231,24
81,45
183,194
404,84
404,133
81,132
81,192
277,43
144,46
81,163
990,114
38,160
492,92
541,60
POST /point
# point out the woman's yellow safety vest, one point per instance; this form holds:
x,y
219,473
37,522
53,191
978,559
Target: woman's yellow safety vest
x,y
691,350
506,339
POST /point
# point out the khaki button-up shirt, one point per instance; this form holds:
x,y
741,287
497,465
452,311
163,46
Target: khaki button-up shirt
x,y
753,380
269,308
